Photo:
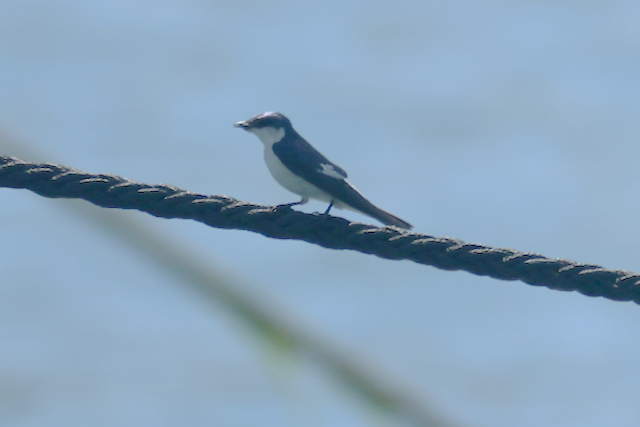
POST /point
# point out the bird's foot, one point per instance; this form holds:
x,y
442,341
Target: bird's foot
x,y
289,205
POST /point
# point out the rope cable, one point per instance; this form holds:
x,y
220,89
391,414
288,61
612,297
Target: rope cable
x,y
281,222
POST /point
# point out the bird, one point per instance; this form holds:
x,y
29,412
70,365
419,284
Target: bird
x,y
301,169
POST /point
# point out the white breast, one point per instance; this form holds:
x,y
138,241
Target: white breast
x,y
286,178
289,180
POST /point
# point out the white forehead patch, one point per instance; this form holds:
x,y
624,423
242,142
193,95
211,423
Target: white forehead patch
x,y
329,170
268,135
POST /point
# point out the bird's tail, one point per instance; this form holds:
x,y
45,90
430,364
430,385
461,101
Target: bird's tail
x,y
387,218
352,199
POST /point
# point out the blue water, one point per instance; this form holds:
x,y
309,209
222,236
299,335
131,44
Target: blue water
x,y
511,124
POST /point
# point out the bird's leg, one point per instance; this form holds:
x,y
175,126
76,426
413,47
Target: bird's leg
x,y
301,202
329,208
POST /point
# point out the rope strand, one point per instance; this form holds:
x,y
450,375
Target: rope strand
x,y
281,222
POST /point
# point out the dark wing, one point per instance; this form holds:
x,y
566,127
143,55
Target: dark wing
x,y
306,162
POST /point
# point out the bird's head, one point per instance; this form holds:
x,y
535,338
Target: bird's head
x,y
270,127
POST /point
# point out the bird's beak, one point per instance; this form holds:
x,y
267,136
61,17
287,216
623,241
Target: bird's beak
x,y
242,125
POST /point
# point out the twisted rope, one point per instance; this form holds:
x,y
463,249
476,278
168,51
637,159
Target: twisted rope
x,y
281,222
